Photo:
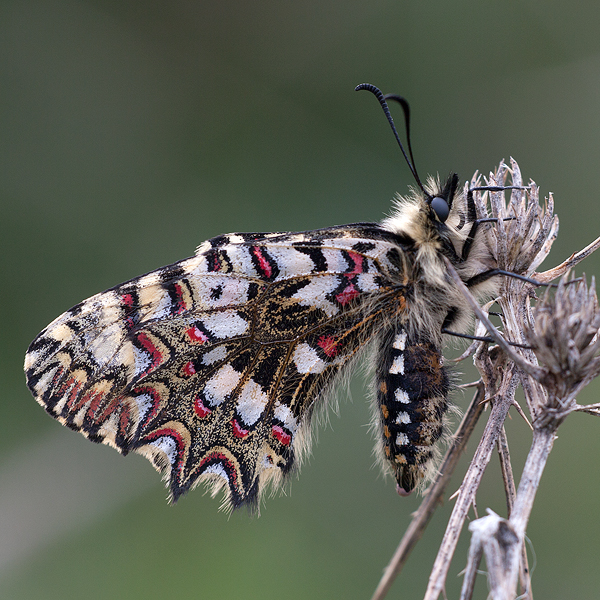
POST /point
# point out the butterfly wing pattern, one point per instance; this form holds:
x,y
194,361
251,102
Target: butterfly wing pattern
x,y
212,367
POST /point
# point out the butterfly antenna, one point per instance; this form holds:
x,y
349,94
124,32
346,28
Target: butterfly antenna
x,y
406,110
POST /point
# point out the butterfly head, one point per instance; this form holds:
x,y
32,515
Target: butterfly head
x,y
440,204
433,217
430,217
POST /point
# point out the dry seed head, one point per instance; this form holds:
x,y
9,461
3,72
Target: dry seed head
x,y
525,230
565,338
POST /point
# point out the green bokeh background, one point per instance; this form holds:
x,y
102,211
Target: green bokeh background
x,y
132,131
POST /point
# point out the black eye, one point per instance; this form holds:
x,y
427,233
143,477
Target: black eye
x,y
440,208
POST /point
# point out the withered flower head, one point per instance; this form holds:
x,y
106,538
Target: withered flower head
x,y
565,339
524,231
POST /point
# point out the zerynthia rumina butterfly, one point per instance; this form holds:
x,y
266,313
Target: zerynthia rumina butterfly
x,y
212,367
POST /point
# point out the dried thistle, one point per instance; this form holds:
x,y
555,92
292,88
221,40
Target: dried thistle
x,y
524,231
564,335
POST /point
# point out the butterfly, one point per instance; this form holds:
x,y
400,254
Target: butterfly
x,y
214,366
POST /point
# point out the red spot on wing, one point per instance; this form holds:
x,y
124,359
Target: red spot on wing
x,y
166,432
238,430
189,369
358,261
74,393
180,305
283,436
112,406
72,387
214,262
124,420
347,294
196,335
328,344
201,410
155,354
263,263
65,385
59,373
96,401
219,458
350,292
127,300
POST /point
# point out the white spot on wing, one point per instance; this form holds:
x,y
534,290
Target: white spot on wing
x,y
314,294
203,247
222,383
290,262
45,380
217,469
168,446
142,360
241,260
232,291
109,428
154,300
251,402
307,360
60,332
336,263
216,355
225,324
162,309
284,414
105,345
235,239
146,282
367,283
402,439
144,403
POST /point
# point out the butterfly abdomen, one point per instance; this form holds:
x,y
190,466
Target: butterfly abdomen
x,y
412,388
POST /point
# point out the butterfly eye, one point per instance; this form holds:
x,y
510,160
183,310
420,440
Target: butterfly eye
x,y
440,208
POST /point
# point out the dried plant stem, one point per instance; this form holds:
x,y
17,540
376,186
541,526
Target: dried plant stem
x,y
433,498
590,409
511,492
468,489
575,258
543,440
502,540
507,474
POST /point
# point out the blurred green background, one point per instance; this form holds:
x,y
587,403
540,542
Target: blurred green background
x,y
132,131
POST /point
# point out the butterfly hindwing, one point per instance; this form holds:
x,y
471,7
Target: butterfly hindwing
x,y
212,367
